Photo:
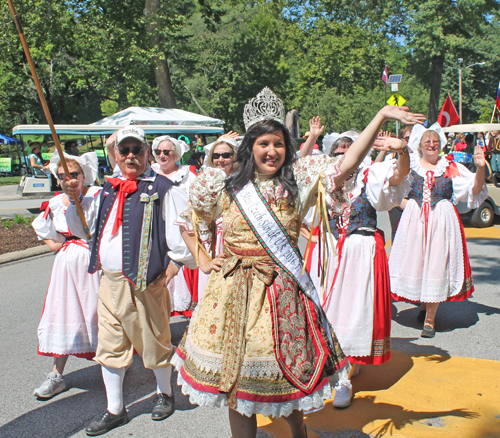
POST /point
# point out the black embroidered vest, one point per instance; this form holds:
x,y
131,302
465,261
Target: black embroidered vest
x,y
443,189
362,215
133,212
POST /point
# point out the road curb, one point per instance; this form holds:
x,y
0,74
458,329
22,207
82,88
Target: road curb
x,y
24,254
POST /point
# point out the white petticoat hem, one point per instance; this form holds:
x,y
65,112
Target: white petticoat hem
x,y
314,401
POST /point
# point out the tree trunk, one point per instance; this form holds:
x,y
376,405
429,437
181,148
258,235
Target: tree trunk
x,y
162,72
196,102
437,64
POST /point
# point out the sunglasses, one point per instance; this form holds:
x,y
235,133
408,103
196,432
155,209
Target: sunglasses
x,y
73,175
165,152
225,155
125,150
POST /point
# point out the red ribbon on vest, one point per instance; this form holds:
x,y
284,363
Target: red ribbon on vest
x,y
451,169
124,187
429,182
365,175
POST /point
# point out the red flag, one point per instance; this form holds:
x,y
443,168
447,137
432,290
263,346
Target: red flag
x,y
497,103
448,115
385,76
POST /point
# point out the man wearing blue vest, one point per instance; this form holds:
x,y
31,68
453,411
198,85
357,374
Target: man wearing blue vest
x,y
139,249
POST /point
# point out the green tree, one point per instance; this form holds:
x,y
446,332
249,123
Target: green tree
x,y
231,62
430,30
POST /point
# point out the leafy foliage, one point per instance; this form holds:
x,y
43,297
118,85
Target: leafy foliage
x,y
326,57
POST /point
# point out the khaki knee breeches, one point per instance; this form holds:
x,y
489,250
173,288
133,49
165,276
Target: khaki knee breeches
x,y
130,319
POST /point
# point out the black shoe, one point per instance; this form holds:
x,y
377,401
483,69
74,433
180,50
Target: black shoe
x,y
428,331
164,406
106,422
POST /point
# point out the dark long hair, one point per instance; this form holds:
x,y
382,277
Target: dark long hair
x,y
246,161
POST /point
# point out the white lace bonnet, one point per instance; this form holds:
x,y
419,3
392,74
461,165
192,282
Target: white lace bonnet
x,y
88,162
418,131
180,145
329,139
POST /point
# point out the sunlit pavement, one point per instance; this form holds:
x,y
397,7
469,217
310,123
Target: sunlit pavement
x,y
430,389
441,387
413,396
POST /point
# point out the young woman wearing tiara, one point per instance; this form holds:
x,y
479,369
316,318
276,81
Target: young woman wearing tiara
x,y
258,340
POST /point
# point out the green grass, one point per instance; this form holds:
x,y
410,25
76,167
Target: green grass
x,y
18,219
9,180
26,220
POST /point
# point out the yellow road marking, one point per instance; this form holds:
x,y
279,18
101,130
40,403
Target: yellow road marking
x,y
414,396
482,233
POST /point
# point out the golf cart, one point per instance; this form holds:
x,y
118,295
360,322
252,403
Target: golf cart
x,y
94,137
484,215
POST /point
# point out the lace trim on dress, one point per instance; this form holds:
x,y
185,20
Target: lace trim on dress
x,y
441,166
253,367
184,221
475,201
204,360
181,173
260,367
313,401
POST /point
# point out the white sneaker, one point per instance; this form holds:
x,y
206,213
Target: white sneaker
x,y
343,394
51,386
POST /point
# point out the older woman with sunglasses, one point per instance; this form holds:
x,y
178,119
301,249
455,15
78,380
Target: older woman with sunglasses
x,y
168,152
222,152
220,155
68,325
429,261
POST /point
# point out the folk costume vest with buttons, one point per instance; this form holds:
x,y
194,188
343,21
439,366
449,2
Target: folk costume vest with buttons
x,y
442,189
362,215
132,229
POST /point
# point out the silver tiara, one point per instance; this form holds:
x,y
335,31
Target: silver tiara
x,y
266,105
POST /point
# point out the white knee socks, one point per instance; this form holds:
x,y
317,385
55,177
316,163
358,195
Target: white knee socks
x,y
163,380
113,381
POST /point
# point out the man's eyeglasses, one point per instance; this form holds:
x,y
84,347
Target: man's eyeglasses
x,y
73,175
165,152
225,155
125,150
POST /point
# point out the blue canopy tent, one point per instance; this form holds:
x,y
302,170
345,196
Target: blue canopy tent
x,y
6,160
8,140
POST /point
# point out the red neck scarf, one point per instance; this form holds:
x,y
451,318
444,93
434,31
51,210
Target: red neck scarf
x,y
125,187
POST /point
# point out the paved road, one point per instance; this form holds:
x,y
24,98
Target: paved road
x,y
11,203
465,330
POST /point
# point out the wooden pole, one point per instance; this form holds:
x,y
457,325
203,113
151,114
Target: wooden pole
x,y
46,111
460,91
493,113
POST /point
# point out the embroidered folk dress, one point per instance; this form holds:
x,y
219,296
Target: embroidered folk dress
x,y
429,261
68,325
357,296
254,306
